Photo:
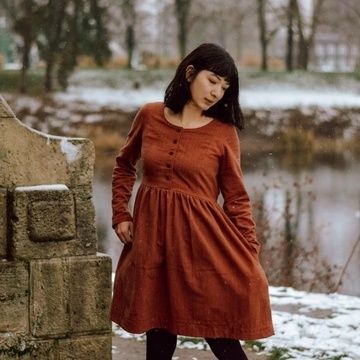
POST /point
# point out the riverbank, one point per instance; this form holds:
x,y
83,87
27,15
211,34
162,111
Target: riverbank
x,y
313,130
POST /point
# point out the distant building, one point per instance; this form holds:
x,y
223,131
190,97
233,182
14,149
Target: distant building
x,y
333,52
336,45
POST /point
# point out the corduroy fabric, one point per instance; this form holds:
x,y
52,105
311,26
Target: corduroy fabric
x,y
193,265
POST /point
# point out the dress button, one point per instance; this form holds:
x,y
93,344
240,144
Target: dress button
x,y
175,141
168,165
178,130
171,153
168,177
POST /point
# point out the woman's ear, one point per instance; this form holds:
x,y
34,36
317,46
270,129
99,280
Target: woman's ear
x,y
189,72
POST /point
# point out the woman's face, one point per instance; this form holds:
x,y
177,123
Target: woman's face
x,y
207,88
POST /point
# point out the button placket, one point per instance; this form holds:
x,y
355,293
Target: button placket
x,y
172,152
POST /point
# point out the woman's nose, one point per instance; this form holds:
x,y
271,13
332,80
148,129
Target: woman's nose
x,y
216,92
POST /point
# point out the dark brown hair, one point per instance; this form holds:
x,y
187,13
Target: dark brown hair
x,y
213,58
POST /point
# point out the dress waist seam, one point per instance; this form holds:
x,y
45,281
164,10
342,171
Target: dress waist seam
x,y
212,201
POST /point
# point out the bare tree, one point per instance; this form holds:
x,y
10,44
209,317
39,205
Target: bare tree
x,y
182,11
129,15
55,17
290,35
265,34
262,34
306,43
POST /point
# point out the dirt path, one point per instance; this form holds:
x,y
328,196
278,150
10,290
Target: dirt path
x,y
124,349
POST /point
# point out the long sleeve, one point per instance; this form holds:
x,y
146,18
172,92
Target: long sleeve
x,y
236,200
124,172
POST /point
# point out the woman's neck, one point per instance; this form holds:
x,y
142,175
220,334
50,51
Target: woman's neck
x,y
191,112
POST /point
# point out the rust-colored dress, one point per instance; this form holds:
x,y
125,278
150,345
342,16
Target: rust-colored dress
x,y
193,266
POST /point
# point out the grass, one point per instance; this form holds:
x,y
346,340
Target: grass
x,y
279,354
10,79
255,345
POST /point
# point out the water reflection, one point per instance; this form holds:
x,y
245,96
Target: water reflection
x,y
307,215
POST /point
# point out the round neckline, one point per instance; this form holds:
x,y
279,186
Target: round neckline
x,y
181,127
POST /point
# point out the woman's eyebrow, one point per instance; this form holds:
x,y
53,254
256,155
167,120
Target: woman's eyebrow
x,y
220,78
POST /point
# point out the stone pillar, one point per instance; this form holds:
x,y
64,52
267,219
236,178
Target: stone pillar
x,y
55,289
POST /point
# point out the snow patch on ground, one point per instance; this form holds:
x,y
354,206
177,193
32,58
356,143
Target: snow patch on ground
x,y
267,97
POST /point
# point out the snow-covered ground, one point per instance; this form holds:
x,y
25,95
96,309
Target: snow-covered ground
x,y
307,326
265,97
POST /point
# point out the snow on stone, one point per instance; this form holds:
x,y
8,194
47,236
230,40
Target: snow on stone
x,y
307,325
46,187
70,150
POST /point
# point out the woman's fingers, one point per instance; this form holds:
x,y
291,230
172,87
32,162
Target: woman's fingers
x,y
124,231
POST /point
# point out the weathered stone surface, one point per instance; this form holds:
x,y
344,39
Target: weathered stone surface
x,y
51,221
33,158
85,219
49,314
70,295
90,293
44,350
14,296
85,348
14,346
21,347
3,223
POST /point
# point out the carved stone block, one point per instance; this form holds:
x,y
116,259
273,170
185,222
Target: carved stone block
x,y
90,293
95,347
70,295
14,296
49,312
52,221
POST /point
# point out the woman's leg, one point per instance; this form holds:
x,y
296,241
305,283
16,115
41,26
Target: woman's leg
x,y
160,344
226,349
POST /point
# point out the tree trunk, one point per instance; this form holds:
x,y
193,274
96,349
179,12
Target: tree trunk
x,y
130,42
26,32
25,64
56,18
74,34
306,44
128,9
263,31
182,9
290,36
48,85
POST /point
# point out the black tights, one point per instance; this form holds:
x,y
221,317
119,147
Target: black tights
x,y
160,345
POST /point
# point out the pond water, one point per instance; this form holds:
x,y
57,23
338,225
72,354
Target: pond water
x,y
308,217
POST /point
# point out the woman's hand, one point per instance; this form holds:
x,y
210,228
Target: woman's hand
x,y
124,231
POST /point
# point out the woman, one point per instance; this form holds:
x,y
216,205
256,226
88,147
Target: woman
x,y
189,266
